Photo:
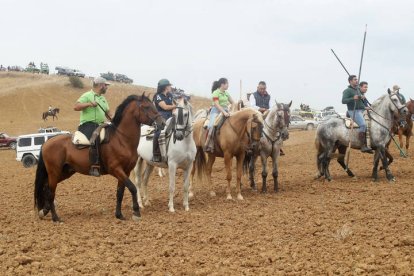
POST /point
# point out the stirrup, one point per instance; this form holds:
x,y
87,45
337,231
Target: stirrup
x,y
366,149
95,170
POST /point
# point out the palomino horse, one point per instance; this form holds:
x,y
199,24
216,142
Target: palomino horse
x,y
334,135
406,128
275,131
181,151
52,113
241,131
59,158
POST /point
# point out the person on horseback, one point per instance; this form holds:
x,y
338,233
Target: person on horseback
x,y
356,108
221,101
164,103
50,109
261,98
94,108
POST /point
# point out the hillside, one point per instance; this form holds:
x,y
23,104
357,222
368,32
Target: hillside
x,y
24,97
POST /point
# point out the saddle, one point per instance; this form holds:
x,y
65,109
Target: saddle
x,y
164,137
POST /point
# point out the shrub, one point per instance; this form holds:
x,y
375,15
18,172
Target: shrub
x,y
76,82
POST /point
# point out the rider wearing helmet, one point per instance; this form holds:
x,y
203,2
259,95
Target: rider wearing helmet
x,y
164,103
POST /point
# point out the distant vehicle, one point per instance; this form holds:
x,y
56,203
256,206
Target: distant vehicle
x,y
64,71
108,76
28,146
31,68
297,122
7,142
327,117
48,129
44,68
2,68
78,73
123,78
326,113
15,68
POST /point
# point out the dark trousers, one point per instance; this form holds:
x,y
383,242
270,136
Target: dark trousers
x,y
88,128
155,144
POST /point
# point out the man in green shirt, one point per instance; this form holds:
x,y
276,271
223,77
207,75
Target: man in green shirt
x,y
93,107
354,101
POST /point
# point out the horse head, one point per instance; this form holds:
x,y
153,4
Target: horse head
x,y
410,106
255,129
147,113
283,118
183,118
398,107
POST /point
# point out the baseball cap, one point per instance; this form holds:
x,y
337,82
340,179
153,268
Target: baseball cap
x,y
99,80
396,87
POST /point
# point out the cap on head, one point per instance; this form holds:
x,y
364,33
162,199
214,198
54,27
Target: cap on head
x,y
100,80
164,82
396,87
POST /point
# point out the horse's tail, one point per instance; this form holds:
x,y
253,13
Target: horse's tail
x,y
40,182
200,165
246,162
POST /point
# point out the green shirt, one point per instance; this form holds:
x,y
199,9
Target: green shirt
x,y
222,97
93,114
348,99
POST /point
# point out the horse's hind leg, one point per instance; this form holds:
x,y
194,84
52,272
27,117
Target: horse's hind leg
x,y
119,196
147,173
138,180
376,162
385,164
239,176
51,200
341,161
227,163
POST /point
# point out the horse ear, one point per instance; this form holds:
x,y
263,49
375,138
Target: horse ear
x,y
389,91
290,104
143,94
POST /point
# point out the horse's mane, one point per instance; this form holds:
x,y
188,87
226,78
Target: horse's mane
x,y
120,109
378,101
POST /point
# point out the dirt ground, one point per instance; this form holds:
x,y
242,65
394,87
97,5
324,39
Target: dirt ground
x,y
346,227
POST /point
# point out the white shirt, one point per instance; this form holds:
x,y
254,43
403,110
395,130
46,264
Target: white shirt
x,y
253,102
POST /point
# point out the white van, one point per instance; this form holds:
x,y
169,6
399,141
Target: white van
x,y
28,146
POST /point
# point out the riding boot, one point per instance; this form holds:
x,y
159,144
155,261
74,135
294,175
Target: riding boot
x,y
156,152
209,144
363,140
94,160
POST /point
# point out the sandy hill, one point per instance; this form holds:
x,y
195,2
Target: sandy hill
x,y
25,96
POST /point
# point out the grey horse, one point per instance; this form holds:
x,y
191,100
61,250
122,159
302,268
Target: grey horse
x,y
334,135
275,131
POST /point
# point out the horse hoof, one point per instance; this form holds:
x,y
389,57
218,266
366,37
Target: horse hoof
x,y
141,206
171,210
136,218
186,208
317,176
147,203
212,194
229,197
41,214
240,197
120,217
190,195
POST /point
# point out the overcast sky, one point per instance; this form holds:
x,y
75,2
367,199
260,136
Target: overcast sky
x,y
192,43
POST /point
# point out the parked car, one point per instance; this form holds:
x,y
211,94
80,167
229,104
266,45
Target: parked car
x,y
297,122
28,146
31,68
7,142
64,71
44,68
78,73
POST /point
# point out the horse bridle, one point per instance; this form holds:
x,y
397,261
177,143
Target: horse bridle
x,y
286,117
187,127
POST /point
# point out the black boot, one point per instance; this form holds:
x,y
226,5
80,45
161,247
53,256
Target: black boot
x,y
363,140
94,160
156,152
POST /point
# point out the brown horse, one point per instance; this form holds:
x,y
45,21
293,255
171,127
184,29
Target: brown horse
x,y
405,126
59,158
52,113
238,134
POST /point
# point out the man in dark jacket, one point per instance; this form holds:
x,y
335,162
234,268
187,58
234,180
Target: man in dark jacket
x,y
355,101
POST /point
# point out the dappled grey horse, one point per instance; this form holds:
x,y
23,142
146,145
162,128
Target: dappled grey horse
x,y
275,131
334,135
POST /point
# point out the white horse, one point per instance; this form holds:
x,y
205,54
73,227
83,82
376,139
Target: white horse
x,y
275,131
181,151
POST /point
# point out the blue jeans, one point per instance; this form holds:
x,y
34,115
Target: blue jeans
x,y
359,119
214,112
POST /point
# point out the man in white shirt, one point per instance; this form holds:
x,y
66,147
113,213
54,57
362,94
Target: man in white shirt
x,y
261,100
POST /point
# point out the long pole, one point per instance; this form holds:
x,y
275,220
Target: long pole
x,y
347,154
340,62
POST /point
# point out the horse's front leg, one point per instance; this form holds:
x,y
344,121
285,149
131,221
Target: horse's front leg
x,y
239,159
376,162
136,215
209,168
187,186
147,173
252,164
119,196
384,159
172,168
227,164
263,158
275,173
